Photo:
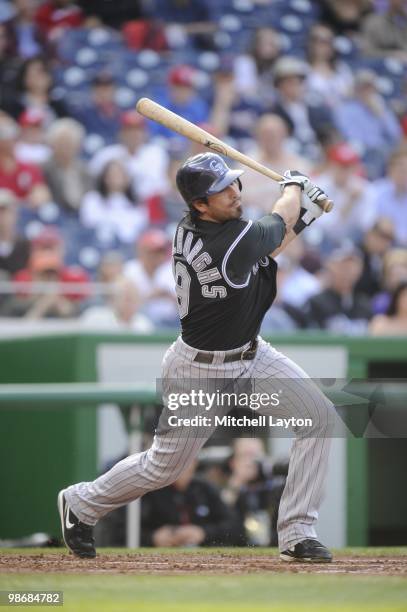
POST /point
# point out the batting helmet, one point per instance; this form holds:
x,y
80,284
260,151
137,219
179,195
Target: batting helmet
x,y
204,175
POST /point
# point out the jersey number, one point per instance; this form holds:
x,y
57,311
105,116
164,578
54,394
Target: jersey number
x,y
182,285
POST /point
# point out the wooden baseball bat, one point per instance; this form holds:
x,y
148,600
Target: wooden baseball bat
x,y
150,109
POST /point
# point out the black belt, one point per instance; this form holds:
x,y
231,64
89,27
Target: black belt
x,y
245,355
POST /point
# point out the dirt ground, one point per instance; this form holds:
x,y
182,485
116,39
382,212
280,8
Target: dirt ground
x,y
191,563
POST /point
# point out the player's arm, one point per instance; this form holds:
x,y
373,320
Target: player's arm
x,y
272,233
262,237
288,208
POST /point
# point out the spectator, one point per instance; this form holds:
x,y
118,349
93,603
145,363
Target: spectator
x,y
368,123
24,180
284,317
246,456
152,274
113,207
338,308
394,273
271,149
253,71
307,121
375,244
389,197
55,297
353,212
28,37
14,249
46,267
328,78
66,174
120,312
299,284
344,17
55,16
394,322
43,268
181,97
234,114
110,267
35,92
31,147
189,512
385,35
101,115
146,162
173,203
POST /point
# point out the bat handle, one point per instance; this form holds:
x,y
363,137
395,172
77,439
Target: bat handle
x,y
326,205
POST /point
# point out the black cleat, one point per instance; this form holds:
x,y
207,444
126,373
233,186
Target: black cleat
x,y
77,536
307,551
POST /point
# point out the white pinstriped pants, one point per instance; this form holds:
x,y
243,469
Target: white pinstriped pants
x,y
172,451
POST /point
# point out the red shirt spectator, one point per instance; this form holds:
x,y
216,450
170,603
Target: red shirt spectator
x,y
24,180
20,178
47,258
57,14
46,263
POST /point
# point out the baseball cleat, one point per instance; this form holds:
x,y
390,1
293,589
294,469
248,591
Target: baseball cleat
x,y
307,551
78,536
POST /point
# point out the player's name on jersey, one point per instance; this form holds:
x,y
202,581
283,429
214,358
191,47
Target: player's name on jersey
x,y
260,420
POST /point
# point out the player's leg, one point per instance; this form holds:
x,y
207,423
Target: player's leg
x,y
300,398
174,448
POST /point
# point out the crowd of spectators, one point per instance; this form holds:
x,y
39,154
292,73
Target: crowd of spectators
x,y
88,201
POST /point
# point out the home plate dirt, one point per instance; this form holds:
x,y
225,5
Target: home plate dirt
x,y
195,563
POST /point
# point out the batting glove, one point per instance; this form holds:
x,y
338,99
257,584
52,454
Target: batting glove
x,y
312,195
293,177
309,210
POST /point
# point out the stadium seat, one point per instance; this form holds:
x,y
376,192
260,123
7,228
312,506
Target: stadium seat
x,y
208,60
86,56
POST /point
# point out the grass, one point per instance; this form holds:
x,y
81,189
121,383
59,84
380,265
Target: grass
x,y
253,593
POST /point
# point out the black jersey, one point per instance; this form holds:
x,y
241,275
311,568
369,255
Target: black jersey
x,y
225,279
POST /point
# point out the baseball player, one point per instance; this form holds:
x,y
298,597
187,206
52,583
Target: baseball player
x,y
225,277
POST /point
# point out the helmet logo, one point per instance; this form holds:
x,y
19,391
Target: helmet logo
x,y
217,166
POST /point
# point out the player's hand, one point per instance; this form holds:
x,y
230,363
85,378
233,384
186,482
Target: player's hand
x,y
293,177
309,201
312,196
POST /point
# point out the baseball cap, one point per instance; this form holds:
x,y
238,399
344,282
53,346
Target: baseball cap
x,y
7,198
154,240
32,117
132,119
49,236
343,154
289,66
182,75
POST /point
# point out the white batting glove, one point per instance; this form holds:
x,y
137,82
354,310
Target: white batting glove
x,y
312,195
293,177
